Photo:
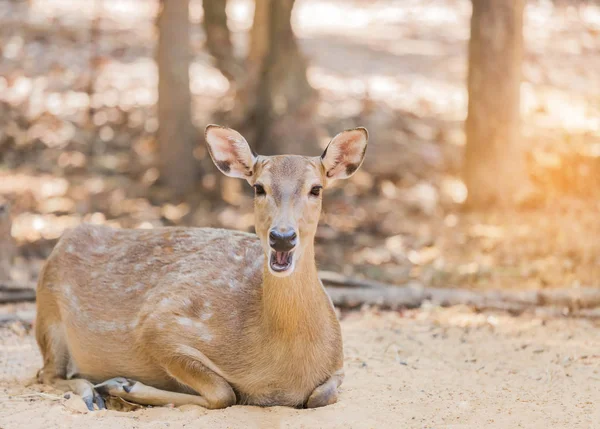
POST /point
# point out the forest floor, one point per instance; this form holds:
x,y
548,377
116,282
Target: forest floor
x,y
426,368
396,67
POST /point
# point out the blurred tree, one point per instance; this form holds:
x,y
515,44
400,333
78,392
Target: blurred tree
x,y
7,245
281,103
94,60
274,103
176,134
218,38
495,170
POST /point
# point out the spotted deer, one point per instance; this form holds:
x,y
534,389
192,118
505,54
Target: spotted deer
x,y
203,316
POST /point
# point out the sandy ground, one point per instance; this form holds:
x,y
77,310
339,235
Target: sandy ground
x,y
428,368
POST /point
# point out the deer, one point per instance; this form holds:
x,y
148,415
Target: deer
x,y
204,316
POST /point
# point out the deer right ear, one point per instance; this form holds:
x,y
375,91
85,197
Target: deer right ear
x,y
230,152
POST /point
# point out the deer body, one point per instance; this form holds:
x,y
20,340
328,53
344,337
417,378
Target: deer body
x,y
196,315
128,309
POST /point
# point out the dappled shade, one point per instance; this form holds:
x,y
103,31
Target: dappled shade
x,y
78,128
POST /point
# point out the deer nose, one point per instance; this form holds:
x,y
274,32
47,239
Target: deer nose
x,y
282,240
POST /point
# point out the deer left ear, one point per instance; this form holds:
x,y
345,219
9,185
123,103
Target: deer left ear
x,y
345,153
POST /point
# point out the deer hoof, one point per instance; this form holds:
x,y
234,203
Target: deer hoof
x,y
323,395
94,398
117,386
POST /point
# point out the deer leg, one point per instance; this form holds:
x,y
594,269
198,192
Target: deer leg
x,y
137,392
326,393
54,374
213,391
83,388
58,367
211,386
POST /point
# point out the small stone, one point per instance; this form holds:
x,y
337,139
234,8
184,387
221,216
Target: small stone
x,y
76,404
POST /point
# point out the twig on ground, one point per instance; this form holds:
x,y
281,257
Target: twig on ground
x,y
38,394
329,278
13,292
415,294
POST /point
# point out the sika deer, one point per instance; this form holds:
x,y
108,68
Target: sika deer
x,y
198,315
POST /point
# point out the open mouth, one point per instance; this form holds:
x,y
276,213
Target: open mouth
x,y
281,261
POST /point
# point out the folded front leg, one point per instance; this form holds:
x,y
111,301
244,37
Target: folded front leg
x,y
217,392
134,391
213,390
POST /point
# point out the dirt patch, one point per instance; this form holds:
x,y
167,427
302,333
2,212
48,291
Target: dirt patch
x,y
418,369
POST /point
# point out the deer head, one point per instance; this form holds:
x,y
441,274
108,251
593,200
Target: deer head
x,y
287,188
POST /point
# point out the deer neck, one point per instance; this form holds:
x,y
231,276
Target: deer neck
x,y
293,304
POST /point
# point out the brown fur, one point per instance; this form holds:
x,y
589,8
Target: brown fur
x,y
193,315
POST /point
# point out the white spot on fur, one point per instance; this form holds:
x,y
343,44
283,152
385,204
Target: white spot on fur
x,y
205,314
165,302
70,296
137,287
252,268
70,248
107,326
83,315
184,321
200,329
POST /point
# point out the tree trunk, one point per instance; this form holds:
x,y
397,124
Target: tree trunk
x,y
176,134
7,245
218,38
275,104
495,171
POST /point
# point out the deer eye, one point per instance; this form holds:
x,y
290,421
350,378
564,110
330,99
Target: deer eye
x,y
259,189
315,191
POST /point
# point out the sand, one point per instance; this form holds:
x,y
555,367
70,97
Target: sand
x,y
428,368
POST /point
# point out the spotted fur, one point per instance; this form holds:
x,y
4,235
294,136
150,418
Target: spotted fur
x,y
193,315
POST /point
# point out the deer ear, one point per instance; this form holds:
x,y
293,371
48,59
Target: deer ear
x,y
345,153
230,151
